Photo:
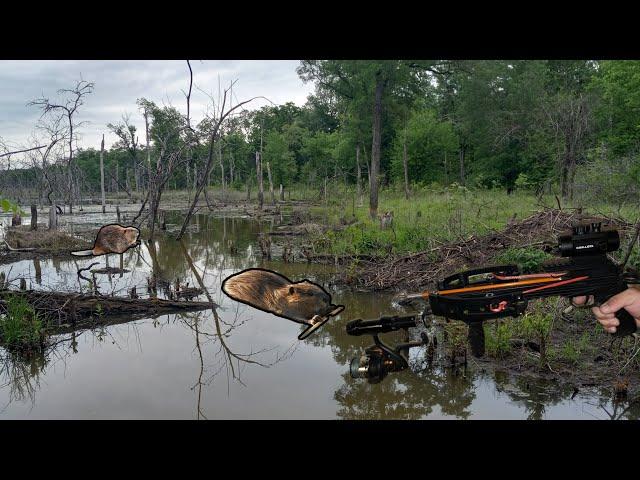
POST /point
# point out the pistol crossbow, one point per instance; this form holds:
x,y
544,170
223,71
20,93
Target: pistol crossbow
x,y
473,296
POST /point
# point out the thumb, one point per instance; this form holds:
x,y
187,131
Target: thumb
x,y
618,301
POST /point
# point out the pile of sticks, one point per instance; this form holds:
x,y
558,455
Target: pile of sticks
x,y
423,269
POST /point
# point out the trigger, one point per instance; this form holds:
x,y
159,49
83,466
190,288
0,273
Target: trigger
x,y
499,307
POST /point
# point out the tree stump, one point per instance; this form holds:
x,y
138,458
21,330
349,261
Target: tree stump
x,y
34,217
163,220
16,220
53,218
264,241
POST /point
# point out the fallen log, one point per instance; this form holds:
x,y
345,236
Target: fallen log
x,y
110,271
74,306
285,232
18,249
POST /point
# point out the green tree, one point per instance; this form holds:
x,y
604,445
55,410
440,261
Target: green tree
x,y
430,143
618,82
374,83
281,159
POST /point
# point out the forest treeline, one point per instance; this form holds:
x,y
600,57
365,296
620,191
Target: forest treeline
x,y
545,125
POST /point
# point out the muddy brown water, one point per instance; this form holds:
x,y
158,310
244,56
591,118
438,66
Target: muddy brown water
x,y
248,364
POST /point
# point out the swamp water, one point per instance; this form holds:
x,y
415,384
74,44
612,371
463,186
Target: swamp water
x,y
244,364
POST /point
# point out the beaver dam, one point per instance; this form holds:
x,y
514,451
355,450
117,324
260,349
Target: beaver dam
x,y
234,361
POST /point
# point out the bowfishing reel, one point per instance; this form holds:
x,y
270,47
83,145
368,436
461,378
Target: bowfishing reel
x,y
381,359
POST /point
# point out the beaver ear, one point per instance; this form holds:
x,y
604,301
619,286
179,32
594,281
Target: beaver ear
x,y
292,290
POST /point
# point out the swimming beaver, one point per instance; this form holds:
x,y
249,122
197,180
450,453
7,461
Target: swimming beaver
x,y
112,238
274,293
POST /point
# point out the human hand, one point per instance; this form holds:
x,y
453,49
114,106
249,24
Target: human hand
x,y
605,313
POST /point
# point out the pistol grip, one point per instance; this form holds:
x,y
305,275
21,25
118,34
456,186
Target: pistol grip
x,y
627,323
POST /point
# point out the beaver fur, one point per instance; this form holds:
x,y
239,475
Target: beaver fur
x,y
112,238
275,293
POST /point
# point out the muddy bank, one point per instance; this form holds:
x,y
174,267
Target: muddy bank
x,y
563,345
22,243
577,354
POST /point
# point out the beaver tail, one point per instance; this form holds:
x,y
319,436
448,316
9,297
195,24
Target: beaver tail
x,y
83,253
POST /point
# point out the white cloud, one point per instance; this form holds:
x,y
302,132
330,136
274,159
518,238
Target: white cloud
x,y
118,84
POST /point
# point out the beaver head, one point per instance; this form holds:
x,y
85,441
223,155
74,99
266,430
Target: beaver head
x,y
132,235
305,299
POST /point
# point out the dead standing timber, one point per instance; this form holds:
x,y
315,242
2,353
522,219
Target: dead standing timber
x,y
92,310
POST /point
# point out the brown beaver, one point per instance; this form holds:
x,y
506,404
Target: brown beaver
x,y
112,238
274,293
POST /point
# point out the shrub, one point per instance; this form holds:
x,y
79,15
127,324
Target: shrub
x,y
497,338
20,326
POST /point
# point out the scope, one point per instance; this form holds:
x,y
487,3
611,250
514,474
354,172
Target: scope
x,y
588,239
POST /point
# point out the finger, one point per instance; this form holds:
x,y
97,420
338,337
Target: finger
x,y
579,300
597,311
607,319
610,329
621,300
609,323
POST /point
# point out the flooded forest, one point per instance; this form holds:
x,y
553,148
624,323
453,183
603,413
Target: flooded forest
x,y
390,177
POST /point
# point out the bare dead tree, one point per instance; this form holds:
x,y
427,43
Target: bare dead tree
x,y
405,163
214,134
40,159
8,153
273,198
259,174
381,84
259,180
570,119
67,110
102,172
223,181
128,140
145,113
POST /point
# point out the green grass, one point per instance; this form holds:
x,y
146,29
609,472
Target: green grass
x,y
20,327
536,323
497,338
573,349
535,326
431,215
529,259
456,339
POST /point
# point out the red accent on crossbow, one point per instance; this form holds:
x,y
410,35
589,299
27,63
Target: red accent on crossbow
x,y
500,307
557,284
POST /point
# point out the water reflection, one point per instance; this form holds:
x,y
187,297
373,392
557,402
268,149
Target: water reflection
x,y
237,362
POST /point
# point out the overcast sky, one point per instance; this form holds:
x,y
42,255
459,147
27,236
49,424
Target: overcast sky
x,y
119,83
